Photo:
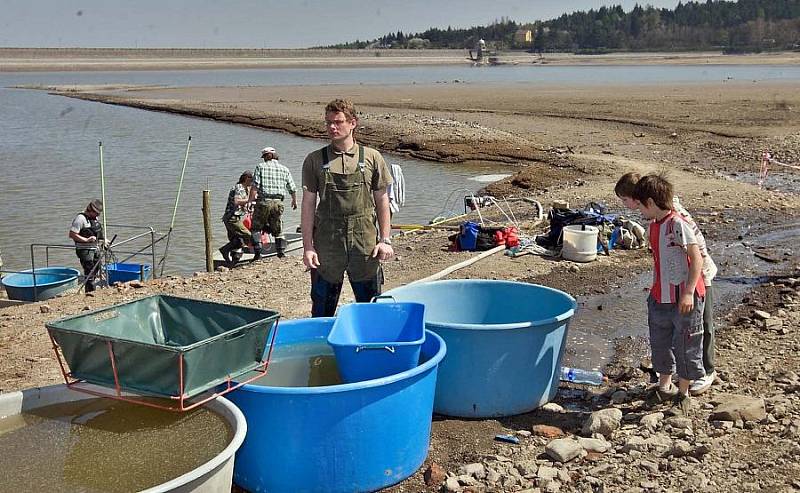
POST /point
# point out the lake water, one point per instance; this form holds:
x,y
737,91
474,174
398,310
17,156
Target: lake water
x,y
49,159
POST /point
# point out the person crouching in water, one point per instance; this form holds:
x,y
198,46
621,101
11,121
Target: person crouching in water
x,y
271,182
87,233
238,234
677,295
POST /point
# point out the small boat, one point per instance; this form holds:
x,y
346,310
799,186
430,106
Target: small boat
x,y
42,284
294,241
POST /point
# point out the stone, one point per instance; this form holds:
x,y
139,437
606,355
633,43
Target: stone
x,y
594,444
761,315
547,473
564,449
434,475
651,421
619,397
681,448
547,431
552,407
659,444
739,407
475,470
452,485
604,422
45,309
679,422
636,443
773,323
526,468
649,466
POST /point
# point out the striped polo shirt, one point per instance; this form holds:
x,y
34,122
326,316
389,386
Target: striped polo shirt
x,y
669,240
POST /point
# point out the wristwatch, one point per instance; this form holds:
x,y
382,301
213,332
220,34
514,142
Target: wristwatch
x,y
386,241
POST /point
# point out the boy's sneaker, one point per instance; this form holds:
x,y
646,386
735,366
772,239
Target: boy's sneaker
x,y
702,384
657,396
681,405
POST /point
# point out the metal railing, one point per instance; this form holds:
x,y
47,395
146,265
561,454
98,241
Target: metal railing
x,y
107,255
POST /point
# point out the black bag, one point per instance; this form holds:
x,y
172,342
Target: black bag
x,y
486,238
566,217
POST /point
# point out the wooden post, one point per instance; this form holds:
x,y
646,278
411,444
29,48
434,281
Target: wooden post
x,y
207,229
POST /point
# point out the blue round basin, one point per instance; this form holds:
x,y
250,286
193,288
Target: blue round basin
x,y
505,341
42,284
345,438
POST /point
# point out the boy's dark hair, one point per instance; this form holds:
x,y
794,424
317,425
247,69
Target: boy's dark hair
x,y
626,184
654,187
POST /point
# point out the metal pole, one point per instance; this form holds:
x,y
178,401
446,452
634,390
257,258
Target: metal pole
x,y
103,190
175,209
207,229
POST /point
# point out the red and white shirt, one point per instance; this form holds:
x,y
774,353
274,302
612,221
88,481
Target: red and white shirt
x,y
669,240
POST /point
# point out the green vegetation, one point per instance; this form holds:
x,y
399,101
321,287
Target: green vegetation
x,y
736,27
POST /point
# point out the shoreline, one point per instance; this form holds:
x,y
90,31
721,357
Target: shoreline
x,y
109,59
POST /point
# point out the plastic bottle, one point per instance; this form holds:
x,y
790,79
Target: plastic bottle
x,y
577,375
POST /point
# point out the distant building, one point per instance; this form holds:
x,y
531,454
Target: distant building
x,y
523,37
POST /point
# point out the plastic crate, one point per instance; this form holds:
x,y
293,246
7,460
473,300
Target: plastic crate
x,y
164,346
374,340
124,272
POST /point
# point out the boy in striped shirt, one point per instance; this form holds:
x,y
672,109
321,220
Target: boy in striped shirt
x,y
624,190
677,296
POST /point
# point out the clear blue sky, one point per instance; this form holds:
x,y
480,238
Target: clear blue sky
x,y
255,24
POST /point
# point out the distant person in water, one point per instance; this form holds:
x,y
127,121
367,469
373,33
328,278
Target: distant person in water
x,y
235,210
272,182
87,233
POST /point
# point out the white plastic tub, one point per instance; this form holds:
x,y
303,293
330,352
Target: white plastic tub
x,y
580,243
214,476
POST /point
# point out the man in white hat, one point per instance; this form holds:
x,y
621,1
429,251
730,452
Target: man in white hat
x,y
272,181
87,233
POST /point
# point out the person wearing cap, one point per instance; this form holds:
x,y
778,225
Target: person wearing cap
x,y
348,231
87,233
238,234
271,182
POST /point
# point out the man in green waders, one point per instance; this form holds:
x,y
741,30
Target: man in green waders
x,y
340,234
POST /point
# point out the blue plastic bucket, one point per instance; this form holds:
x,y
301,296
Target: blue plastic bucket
x,y
374,340
505,342
44,283
338,438
124,272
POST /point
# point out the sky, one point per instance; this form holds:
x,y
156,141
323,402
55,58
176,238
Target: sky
x,y
256,23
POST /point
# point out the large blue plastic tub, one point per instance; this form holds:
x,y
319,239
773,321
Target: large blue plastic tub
x,y
124,272
505,341
338,438
374,340
44,283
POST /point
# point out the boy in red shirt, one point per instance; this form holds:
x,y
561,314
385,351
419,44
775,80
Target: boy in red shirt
x,y
677,296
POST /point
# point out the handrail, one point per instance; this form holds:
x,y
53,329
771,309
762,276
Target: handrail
x,y
147,230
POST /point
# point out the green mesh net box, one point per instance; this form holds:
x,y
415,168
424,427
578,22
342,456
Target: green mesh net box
x,y
163,345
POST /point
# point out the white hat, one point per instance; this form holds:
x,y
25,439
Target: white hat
x,y
267,149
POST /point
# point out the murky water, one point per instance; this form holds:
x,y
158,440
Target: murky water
x,y
101,445
306,364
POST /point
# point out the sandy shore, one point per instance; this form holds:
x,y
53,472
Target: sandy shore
x,y
569,143
86,59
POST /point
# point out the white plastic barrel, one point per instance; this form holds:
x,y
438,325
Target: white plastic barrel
x,y
580,243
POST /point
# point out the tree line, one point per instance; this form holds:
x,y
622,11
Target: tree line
x,y
745,25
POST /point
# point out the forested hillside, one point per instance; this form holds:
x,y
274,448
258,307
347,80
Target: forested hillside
x,y
746,25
